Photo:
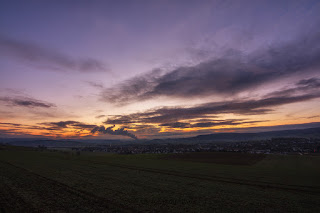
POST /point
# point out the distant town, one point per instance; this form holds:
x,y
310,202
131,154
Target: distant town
x,y
300,146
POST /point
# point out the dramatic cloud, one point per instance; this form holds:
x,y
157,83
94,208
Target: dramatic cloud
x,y
37,55
110,131
230,74
203,116
25,102
193,67
173,115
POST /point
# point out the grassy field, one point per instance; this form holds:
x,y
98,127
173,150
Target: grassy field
x,y
44,181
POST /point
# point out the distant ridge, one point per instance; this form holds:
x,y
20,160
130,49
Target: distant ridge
x,y
302,133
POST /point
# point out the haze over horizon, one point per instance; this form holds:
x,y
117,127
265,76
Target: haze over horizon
x,y
154,69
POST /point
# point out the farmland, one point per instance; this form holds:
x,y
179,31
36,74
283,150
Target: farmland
x,y
47,181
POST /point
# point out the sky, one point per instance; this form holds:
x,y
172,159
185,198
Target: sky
x,y
155,69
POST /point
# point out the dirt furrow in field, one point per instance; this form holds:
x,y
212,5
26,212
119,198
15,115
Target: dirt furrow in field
x,y
91,199
11,202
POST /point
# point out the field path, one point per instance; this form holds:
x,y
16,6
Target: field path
x,y
261,184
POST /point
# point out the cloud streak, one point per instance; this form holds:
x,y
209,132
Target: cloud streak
x,y
25,102
67,124
311,85
209,123
37,55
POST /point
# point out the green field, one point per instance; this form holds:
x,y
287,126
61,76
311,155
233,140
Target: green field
x,y
44,181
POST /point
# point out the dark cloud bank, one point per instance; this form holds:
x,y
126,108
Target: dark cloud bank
x,y
170,116
229,75
226,76
37,55
303,90
206,115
